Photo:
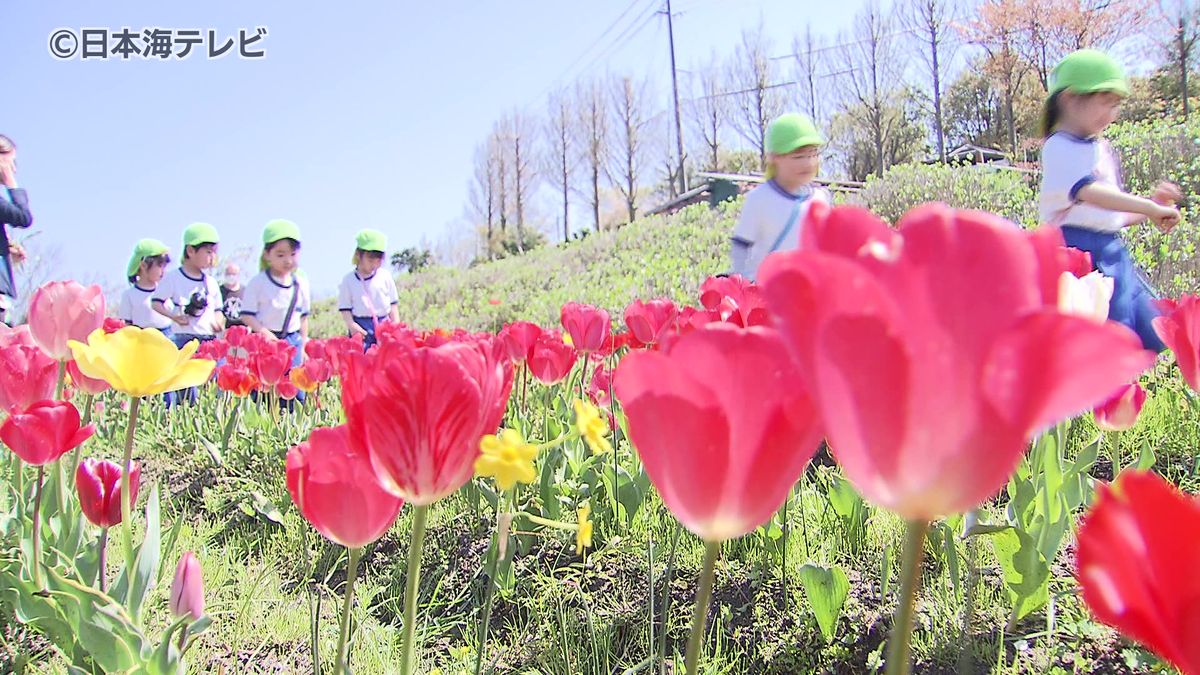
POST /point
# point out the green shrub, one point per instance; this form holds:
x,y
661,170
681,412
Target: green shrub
x,y
1002,191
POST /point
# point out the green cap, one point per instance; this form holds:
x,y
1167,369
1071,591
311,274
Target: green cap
x,y
280,229
371,240
199,233
791,131
1088,71
145,248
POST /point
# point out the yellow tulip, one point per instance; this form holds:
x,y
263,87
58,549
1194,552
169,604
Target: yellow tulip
x,y
508,458
140,361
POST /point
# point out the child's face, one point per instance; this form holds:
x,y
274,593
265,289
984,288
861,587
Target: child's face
x,y
798,166
369,262
152,273
203,256
282,257
1091,113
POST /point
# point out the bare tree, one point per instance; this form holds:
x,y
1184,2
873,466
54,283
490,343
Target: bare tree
x,y
498,146
874,76
482,193
524,176
757,93
930,22
591,136
996,29
708,111
629,122
810,59
1182,19
560,152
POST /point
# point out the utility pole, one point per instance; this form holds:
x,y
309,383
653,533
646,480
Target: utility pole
x,y
675,92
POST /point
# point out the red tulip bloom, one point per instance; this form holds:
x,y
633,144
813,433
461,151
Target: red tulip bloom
x,y
419,413
27,375
735,300
1139,549
236,335
112,324
271,361
722,424
1121,410
1075,261
64,310
599,390
213,350
87,385
518,339
237,380
650,321
334,486
44,432
1179,329
98,482
286,389
551,358
187,589
588,326
935,351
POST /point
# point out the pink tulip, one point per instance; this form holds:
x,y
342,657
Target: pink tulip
x,y
1121,410
64,310
27,375
588,326
187,590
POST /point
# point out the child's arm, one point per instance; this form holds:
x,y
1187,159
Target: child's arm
x,y
257,326
348,319
394,314
1112,199
161,307
304,327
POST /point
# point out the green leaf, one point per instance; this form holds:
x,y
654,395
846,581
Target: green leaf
x,y
1026,573
885,571
548,483
265,509
103,629
1147,458
826,590
144,567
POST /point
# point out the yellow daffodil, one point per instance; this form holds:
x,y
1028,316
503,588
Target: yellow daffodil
x,y
583,536
140,361
592,426
507,458
567,339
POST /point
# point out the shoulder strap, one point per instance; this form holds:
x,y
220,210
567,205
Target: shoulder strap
x,y
790,223
287,318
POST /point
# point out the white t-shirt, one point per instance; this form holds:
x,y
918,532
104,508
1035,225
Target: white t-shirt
x,y
134,309
267,300
1068,164
370,297
177,287
765,214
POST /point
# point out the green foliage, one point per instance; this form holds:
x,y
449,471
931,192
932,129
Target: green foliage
x,y
1005,192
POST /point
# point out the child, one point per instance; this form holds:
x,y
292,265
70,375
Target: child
x,y
1081,183
772,211
365,297
146,268
195,295
276,302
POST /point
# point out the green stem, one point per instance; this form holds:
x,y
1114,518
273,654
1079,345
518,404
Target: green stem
x,y
126,502
343,655
898,645
37,529
78,452
490,593
62,380
411,586
661,657
1114,452
700,614
58,463
230,426
100,577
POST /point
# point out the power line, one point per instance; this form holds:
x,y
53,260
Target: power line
x,y
840,45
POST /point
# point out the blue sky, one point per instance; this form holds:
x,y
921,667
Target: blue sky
x,y
361,114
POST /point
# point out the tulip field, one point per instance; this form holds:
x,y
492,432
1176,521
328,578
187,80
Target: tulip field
x,y
894,453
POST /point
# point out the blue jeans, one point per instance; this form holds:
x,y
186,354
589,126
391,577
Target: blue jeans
x,y
368,324
1133,299
191,394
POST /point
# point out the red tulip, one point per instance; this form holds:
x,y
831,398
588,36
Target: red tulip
x,y
64,310
735,300
237,380
1075,261
27,375
302,378
44,432
213,350
87,385
98,482
187,590
419,412
588,326
1121,410
236,336
722,424
1179,329
286,389
600,388
518,339
15,336
112,324
936,351
650,321
551,358
493,301
271,361
334,486
1139,549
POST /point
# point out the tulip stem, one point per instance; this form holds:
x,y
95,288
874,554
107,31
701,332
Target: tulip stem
x,y
411,586
78,452
898,662
700,614
489,593
343,650
100,577
58,463
37,529
1114,452
126,490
